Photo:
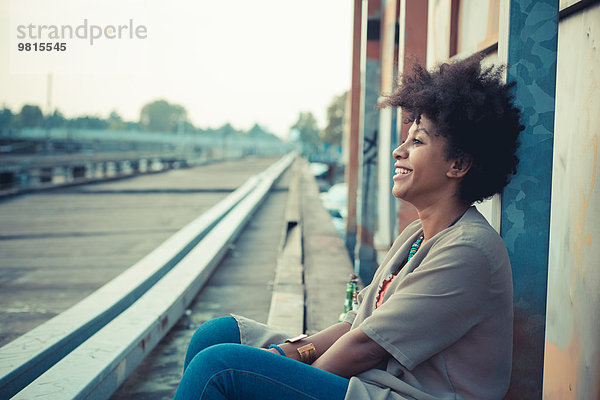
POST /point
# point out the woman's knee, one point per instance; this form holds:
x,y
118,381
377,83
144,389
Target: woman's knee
x,y
238,371
218,330
208,372
213,332
217,357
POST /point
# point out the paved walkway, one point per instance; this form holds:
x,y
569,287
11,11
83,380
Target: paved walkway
x,y
243,283
58,246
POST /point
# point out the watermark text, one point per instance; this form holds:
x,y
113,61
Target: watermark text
x,y
86,31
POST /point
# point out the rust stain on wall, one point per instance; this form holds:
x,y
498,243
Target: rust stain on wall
x,y
560,376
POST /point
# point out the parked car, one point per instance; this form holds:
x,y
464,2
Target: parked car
x,y
335,200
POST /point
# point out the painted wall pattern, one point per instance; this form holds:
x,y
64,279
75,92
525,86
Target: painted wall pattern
x,y
533,31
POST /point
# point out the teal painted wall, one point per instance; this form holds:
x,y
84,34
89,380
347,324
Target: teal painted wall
x,y
532,50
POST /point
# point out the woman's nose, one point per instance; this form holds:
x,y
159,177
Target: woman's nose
x,y
400,152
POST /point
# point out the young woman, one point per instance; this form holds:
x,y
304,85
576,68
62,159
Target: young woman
x,y
436,321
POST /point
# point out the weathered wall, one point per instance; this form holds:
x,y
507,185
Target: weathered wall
x,y
572,351
438,32
549,215
354,125
471,30
412,47
384,235
366,212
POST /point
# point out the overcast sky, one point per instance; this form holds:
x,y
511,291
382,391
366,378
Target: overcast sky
x,y
238,61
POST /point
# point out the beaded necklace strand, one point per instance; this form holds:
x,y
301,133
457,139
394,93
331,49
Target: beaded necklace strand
x,y
415,246
388,279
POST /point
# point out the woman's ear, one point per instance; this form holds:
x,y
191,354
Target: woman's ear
x,y
460,167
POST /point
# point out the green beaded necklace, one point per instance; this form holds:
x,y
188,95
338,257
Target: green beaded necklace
x,y
415,246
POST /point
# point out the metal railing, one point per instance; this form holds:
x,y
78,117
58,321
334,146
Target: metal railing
x,y
36,159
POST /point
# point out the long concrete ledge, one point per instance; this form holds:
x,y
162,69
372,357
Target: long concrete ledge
x,y
313,266
287,301
79,374
327,265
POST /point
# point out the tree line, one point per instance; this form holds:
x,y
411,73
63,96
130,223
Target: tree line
x,y
162,116
307,131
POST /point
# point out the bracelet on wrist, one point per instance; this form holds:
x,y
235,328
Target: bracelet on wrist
x,y
279,349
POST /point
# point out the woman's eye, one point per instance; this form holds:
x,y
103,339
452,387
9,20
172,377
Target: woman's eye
x,y
417,141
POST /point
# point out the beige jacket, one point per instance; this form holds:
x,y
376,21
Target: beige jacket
x,y
446,319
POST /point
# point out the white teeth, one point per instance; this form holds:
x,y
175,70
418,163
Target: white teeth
x,y
403,171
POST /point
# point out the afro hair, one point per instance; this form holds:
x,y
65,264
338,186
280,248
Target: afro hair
x,y
473,109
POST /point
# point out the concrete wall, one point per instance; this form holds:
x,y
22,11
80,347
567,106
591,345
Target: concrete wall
x,y
533,31
572,350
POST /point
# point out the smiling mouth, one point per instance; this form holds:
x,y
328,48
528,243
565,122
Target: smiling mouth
x,y
402,171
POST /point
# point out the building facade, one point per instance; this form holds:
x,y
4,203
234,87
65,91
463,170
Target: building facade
x,y
549,215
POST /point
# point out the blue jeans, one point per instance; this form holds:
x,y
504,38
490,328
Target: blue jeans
x,y
217,366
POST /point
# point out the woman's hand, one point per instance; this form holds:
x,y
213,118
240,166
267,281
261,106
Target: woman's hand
x,y
339,350
322,341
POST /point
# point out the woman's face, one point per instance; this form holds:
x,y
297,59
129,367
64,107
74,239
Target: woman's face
x,y
422,167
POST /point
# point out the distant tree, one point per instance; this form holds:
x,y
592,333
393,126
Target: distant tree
x,y
88,122
306,125
256,131
115,122
334,130
188,127
55,120
161,116
259,131
6,118
132,126
227,130
30,117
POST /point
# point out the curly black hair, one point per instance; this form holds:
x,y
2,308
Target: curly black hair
x,y
473,109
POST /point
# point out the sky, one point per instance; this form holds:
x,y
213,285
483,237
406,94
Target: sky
x,y
237,61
